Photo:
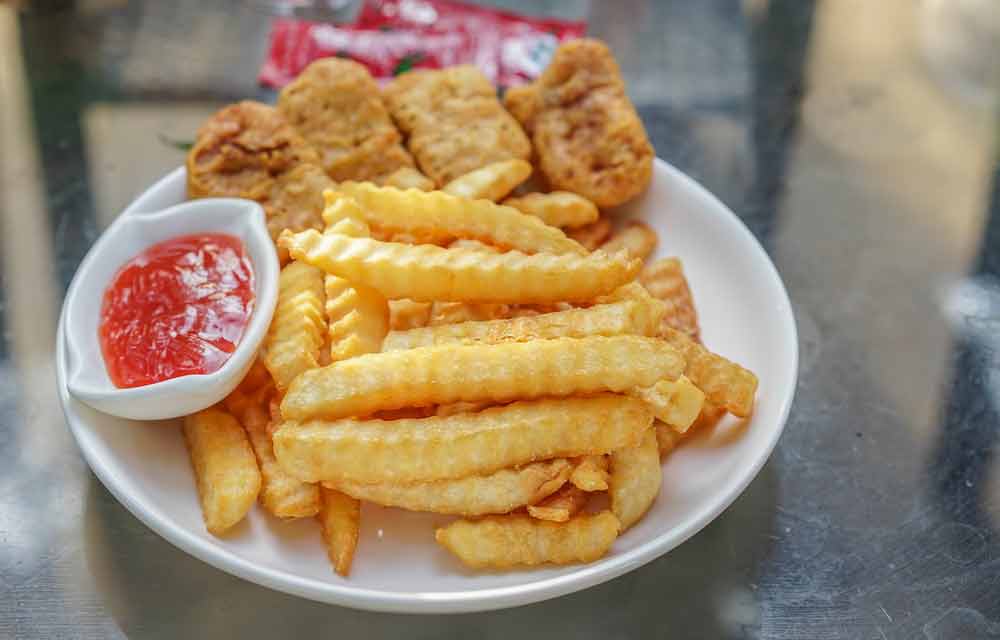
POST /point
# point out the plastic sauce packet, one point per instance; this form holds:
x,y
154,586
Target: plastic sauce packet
x,y
296,43
394,36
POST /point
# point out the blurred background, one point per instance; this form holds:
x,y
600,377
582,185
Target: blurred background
x,y
857,139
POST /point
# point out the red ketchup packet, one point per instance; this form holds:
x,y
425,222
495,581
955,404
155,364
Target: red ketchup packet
x,y
393,36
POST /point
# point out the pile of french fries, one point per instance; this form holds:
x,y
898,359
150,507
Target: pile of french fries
x,y
502,360
459,329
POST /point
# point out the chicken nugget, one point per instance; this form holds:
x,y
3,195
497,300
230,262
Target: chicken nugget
x,y
248,150
586,132
453,121
335,105
240,151
295,201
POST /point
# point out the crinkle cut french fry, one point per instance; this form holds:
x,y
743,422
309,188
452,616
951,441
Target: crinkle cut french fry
x,y
340,525
476,372
593,235
709,416
628,317
296,334
667,438
358,318
440,217
559,208
665,280
349,227
453,312
491,182
428,272
408,314
629,291
560,506
342,214
281,494
725,383
499,492
501,542
238,402
406,178
442,448
258,376
635,237
443,313
675,402
225,469
591,473
636,476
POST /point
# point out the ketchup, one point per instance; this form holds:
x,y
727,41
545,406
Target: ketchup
x,y
176,309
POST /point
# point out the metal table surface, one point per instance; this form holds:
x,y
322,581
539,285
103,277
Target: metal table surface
x,y
857,139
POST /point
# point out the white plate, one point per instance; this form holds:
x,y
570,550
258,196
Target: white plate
x,y
745,315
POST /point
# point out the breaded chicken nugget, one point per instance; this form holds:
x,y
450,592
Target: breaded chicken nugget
x,y
585,130
247,150
453,121
241,149
335,105
296,200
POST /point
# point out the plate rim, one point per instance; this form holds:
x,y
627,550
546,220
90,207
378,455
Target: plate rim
x,y
488,599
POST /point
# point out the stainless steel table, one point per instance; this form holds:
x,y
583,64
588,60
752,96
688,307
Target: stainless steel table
x,y
857,139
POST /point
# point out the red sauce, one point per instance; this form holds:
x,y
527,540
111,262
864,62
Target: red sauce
x,y
178,308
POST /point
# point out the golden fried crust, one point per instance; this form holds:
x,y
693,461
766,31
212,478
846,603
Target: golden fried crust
x,y
586,132
522,103
295,201
241,150
453,121
335,105
247,150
